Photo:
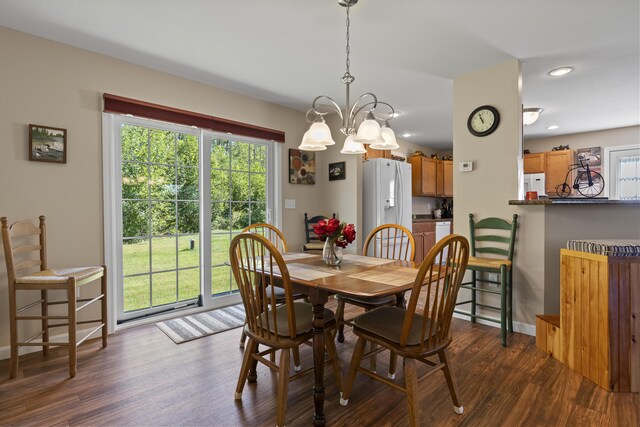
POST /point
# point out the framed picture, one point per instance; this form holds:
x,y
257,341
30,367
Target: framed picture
x,y
47,144
302,166
591,155
337,171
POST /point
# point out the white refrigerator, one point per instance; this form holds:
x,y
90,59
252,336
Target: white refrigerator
x,y
386,197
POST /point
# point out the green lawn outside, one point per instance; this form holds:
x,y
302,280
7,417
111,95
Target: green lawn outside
x,y
172,286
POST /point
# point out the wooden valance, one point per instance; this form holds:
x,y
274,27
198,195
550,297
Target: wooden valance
x,y
121,105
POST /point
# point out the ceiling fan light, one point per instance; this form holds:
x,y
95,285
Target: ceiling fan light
x,y
530,115
352,147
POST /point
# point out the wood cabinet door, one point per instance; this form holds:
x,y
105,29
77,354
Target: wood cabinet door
x,y
377,154
416,175
447,173
419,241
428,177
439,178
429,241
534,163
556,167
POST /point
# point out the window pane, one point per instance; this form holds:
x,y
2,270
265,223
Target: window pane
x,y
163,182
258,187
188,251
187,149
135,183
134,143
220,154
258,158
135,256
162,146
239,216
239,186
135,218
136,292
220,190
163,253
258,213
239,156
163,218
221,281
164,288
220,219
220,248
188,217
187,184
188,284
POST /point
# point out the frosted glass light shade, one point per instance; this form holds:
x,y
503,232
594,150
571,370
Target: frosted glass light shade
x,y
309,145
352,147
388,140
319,133
368,132
530,115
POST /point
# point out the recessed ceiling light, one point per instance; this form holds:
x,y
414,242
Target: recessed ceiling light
x,y
406,135
560,71
552,127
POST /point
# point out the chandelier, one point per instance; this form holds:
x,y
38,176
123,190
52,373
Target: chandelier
x,y
374,128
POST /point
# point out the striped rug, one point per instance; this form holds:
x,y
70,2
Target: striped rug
x,y
200,325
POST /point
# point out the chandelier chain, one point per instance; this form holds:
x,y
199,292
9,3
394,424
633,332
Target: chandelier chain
x,y
348,49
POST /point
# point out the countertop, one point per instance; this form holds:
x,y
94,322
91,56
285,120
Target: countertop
x,y
428,218
574,201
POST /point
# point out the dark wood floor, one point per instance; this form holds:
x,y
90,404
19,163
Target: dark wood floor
x,y
143,378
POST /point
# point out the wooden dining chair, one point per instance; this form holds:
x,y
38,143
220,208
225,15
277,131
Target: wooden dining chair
x,y
391,241
275,236
313,242
25,253
254,261
494,240
419,332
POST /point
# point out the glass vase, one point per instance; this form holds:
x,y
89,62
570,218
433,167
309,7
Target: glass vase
x,y
331,254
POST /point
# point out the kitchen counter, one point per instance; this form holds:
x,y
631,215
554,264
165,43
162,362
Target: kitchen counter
x,y
428,218
573,201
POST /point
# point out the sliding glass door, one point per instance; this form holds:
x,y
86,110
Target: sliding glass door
x,y
183,194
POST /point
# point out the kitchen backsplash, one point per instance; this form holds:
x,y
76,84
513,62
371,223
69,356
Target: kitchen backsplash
x,y
426,205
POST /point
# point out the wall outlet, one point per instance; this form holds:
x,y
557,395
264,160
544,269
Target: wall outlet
x,y
289,203
495,277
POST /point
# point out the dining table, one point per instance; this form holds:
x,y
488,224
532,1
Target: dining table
x,y
356,276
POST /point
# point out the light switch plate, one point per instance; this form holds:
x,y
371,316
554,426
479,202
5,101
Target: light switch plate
x,y
466,166
289,203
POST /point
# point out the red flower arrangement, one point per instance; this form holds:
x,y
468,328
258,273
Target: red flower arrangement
x,y
339,232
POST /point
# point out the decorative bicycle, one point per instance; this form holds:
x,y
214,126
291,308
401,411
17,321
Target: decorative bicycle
x,y
588,183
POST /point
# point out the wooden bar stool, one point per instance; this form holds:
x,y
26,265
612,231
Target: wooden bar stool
x,y
496,238
19,249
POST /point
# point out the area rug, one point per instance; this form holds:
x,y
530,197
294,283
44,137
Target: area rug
x,y
200,325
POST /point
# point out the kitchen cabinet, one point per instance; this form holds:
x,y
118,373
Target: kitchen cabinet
x,y
423,176
424,234
534,163
556,166
444,178
377,154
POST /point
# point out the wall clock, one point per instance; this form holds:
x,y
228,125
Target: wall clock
x,y
483,120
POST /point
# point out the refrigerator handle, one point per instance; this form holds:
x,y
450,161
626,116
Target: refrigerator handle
x,y
399,201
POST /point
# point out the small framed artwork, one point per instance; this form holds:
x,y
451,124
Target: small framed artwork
x,y
47,144
337,171
302,166
592,155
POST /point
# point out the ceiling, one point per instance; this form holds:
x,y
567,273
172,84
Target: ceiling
x,y
407,52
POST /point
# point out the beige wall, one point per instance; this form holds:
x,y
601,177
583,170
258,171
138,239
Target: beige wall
x,y
487,189
48,83
602,138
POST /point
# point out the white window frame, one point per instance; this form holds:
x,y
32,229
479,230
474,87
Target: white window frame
x,y
609,190
112,207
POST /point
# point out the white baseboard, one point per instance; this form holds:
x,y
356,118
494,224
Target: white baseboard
x,y
522,328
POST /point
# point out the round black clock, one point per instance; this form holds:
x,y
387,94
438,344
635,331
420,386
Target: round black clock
x,y
483,120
